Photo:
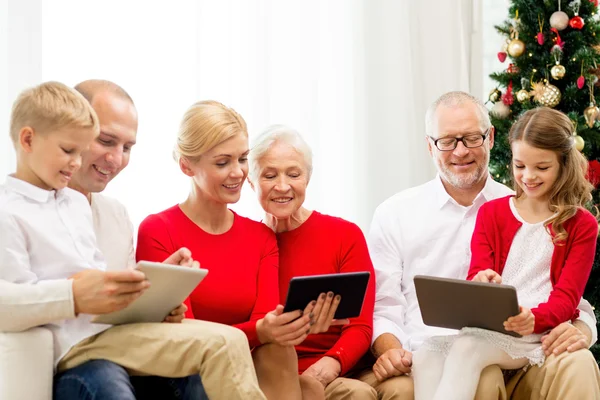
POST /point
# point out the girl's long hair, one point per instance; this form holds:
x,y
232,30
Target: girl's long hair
x,y
548,129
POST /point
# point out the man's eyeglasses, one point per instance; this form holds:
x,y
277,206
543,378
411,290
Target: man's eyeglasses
x,y
470,141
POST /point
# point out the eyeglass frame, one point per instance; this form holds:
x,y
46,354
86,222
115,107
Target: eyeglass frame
x,y
484,135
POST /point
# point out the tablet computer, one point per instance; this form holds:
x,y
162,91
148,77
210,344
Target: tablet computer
x,y
171,285
457,303
352,286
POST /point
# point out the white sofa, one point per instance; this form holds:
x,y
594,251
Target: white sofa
x,y
26,365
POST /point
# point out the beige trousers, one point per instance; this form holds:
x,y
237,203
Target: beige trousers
x,y
566,376
219,353
349,389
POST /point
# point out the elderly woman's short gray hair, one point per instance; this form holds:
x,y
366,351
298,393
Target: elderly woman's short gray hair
x,y
277,134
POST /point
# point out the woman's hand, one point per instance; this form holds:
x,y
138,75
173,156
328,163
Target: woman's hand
x,y
324,310
522,323
325,370
488,276
285,329
177,315
183,258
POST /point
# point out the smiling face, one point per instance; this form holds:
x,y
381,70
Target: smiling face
x,y
220,172
53,157
462,167
535,170
282,180
109,154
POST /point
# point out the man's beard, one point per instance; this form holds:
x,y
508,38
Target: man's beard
x,y
463,181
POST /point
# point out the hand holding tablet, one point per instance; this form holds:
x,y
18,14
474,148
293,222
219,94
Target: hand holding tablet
x,y
170,286
457,303
351,287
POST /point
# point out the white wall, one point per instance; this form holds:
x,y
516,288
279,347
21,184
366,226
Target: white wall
x,y
20,64
354,76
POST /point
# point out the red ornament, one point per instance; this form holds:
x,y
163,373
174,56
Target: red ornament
x,y
512,69
502,56
594,2
580,82
576,22
540,38
593,174
507,98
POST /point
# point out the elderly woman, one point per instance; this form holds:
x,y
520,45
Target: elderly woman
x,y
241,255
311,243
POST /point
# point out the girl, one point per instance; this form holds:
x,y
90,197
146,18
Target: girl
x,y
541,241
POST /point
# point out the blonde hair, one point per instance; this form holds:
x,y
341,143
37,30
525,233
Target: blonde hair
x,y
548,129
51,106
205,125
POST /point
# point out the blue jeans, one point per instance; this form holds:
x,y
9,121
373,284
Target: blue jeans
x,y
105,380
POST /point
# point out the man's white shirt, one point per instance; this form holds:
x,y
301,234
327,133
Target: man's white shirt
x,y
423,231
45,237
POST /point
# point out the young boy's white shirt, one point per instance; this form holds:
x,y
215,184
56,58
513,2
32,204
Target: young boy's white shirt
x,y
45,237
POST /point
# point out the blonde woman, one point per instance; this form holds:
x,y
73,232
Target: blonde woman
x,y
241,254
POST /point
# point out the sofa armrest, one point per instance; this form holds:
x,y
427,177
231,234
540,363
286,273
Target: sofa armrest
x,y
26,364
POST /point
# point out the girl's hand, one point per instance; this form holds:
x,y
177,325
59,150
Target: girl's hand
x,y
324,310
522,323
488,276
285,329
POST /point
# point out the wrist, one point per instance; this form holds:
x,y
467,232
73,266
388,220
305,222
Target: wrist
x,y
383,343
260,331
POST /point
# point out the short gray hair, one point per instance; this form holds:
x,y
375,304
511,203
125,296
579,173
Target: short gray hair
x,y
454,99
277,134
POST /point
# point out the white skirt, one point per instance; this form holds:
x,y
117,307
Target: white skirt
x,y
529,346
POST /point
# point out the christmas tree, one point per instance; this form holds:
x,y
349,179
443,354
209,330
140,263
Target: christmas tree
x,y
553,51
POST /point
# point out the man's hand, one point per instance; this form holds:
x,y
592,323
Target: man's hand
x,y
393,362
325,370
523,323
325,308
177,315
564,337
100,292
182,257
488,276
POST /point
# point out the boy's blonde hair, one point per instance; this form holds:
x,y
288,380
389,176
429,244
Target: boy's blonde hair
x,y
51,106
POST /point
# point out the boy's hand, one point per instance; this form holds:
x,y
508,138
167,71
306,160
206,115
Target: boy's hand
x,y
488,276
100,292
522,323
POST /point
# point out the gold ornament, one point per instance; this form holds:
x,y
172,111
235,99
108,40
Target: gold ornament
x,y
579,142
537,90
550,97
558,72
591,114
516,47
522,96
495,95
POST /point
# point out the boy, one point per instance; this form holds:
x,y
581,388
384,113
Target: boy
x,y
46,236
